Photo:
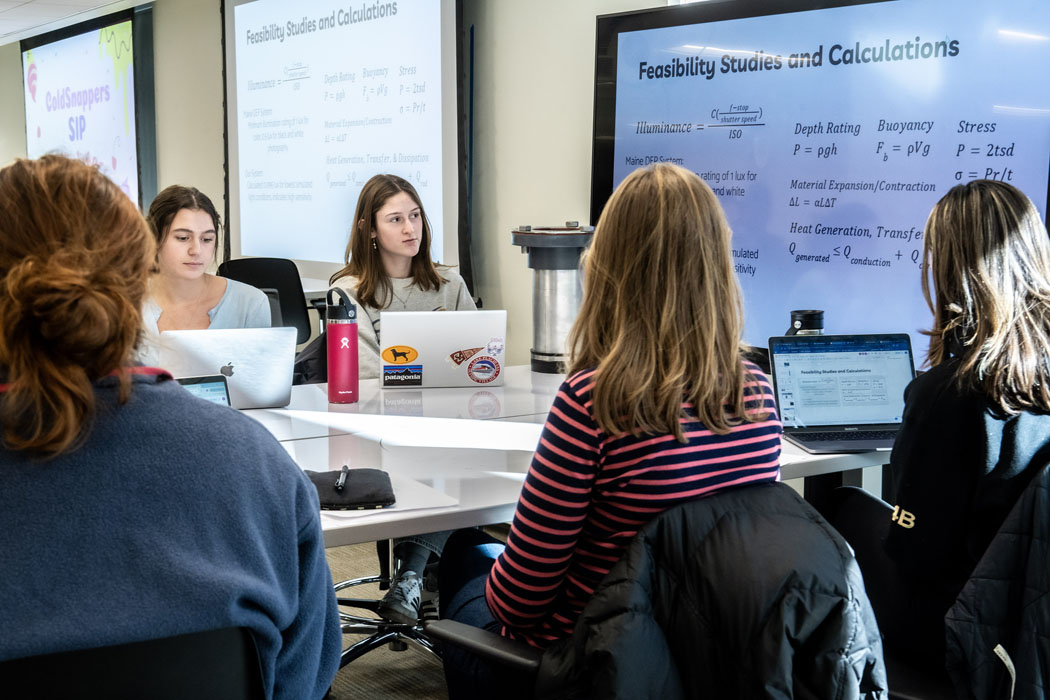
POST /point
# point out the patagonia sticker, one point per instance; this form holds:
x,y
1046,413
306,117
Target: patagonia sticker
x,y
400,355
402,375
483,369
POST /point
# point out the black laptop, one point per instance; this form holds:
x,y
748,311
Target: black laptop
x,y
841,393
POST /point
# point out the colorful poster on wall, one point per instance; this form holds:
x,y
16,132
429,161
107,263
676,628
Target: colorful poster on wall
x,y
80,101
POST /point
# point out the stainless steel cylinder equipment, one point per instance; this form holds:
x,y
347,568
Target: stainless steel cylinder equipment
x,y
554,256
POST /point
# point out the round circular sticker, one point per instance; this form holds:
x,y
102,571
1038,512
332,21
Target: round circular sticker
x,y
483,369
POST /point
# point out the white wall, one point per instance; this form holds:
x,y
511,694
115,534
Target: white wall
x,y
12,105
533,102
187,53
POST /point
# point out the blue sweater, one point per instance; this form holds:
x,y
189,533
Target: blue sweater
x,y
175,516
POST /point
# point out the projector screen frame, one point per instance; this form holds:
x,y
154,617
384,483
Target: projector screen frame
x,y
455,224
141,18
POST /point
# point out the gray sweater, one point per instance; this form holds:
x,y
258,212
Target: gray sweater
x,y
451,296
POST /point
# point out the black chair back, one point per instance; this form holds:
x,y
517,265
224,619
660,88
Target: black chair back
x,y
279,274
218,664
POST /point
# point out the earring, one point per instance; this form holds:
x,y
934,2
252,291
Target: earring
x,y
374,246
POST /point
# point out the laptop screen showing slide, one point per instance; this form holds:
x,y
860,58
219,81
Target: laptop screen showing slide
x,y
442,348
841,393
257,362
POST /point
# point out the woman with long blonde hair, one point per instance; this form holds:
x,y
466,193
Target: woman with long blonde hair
x,y
659,407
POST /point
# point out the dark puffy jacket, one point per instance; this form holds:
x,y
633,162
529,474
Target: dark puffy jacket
x,y
745,594
1006,604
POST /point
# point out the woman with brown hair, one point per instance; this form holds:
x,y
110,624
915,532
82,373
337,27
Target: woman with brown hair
x,y
173,515
659,407
388,265
388,268
976,426
181,294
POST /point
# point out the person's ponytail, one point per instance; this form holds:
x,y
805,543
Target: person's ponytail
x,y
71,286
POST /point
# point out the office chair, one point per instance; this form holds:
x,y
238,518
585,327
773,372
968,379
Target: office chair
x,y
220,664
279,274
746,593
862,519
379,631
274,297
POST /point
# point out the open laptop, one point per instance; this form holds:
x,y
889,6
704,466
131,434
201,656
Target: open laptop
x,y
257,362
210,388
841,393
442,348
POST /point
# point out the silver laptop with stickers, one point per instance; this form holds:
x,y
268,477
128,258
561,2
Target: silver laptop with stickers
x,y
442,348
257,362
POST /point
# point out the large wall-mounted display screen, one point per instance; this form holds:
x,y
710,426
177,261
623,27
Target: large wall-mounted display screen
x,y
80,98
828,134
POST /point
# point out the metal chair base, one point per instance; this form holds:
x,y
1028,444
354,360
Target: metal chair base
x,y
380,631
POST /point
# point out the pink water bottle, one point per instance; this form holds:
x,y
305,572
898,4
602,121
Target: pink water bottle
x,y
341,329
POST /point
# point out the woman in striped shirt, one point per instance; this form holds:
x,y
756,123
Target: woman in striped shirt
x,y
659,407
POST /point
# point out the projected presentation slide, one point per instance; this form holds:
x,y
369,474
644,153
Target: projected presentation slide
x,y
829,135
329,94
80,101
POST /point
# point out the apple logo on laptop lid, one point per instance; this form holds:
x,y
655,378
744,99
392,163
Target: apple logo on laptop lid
x,y
226,370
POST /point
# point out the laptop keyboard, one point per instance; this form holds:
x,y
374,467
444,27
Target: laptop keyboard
x,y
846,436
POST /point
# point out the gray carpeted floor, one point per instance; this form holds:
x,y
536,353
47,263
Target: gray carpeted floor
x,y
412,674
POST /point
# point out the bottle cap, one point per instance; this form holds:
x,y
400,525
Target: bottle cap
x,y
343,310
806,322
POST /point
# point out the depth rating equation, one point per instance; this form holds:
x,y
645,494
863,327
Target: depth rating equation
x,y
831,149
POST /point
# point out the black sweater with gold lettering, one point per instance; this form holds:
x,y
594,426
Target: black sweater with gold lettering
x,y
959,466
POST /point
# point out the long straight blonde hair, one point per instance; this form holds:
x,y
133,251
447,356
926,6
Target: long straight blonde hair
x,y
987,256
662,314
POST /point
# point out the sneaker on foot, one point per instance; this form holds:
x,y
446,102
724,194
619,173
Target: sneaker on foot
x,y
429,609
401,602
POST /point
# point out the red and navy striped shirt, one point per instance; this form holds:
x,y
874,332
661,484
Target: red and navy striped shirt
x,y
588,493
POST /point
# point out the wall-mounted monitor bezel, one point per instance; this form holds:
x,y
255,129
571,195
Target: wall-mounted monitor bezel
x,y
141,18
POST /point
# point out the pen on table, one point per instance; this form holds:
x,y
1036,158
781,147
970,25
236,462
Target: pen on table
x,y
341,482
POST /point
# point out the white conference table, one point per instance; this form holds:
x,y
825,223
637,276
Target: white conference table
x,y
456,457
314,288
